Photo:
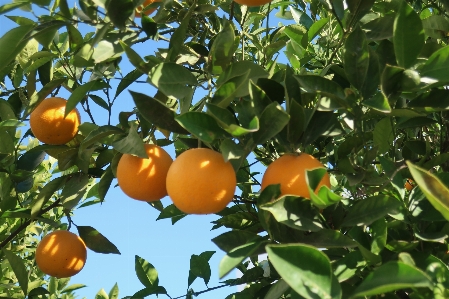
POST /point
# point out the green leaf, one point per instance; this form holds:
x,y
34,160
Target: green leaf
x,y
356,57
240,68
74,190
294,212
96,241
30,160
277,289
222,50
238,254
390,277
46,193
383,135
328,238
232,239
306,269
170,211
228,121
358,9
177,39
316,28
113,293
105,183
131,144
380,28
172,79
80,92
436,66
227,92
12,6
201,125
378,102
408,36
432,187
18,266
370,209
297,122
7,143
36,98
146,272
149,26
301,18
119,11
12,42
97,135
434,100
127,81
199,267
157,113
321,124
322,86
101,294
272,121
72,288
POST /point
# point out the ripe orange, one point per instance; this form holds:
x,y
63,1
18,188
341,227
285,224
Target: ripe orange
x,y
290,171
146,12
201,182
48,124
409,184
61,254
252,2
144,179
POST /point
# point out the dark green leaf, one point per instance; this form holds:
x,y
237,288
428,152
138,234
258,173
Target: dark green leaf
x,y
18,266
172,79
105,183
358,9
408,36
146,272
119,11
370,209
272,121
157,113
222,50
201,125
356,57
96,241
80,92
12,42
74,190
436,66
31,159
322,86
232,239
380,28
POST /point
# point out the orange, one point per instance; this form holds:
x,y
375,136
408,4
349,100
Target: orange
x,y
201,182
61,254
290,172
409,184
142,7
144,179
252,2
48,124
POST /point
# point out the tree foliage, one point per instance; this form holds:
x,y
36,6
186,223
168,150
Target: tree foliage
x,y
359,84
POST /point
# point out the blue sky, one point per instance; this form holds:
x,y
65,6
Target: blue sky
x,y
131,225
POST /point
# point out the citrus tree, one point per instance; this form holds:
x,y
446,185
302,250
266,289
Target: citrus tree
x,y
350,100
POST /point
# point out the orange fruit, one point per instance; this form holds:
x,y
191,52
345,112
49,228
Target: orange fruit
x,y
48,124
144,179
61,254
290,172
142,7
201,182
409,184
252,2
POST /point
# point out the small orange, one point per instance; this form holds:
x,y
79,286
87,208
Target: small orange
x,y
409,184
142,7
201,182
144,179
252,2
290,171
61,254
48,124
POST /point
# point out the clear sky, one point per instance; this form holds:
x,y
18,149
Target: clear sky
x,y
131,225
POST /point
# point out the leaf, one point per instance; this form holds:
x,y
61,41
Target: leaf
x,y
171,79
434,100
316,28
146,272
240,68
12,42
170,211
72,288
113,293
390,277
18,266
149,26
321,124
328,238
294,212
228,121
222,50
301,18
383,135
119,11
380,28
358,9
157,113
436,66
177,39
12,6
96,241
370,209
272,121
131,144
356,57
31,159
232,239
80,92
432,187
306,269
322,86
227,92
297,122
199,267
238,254
201,125
277,289
46,193
105,183
127,81
408,36
97,135
378,102
101,294
74,190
